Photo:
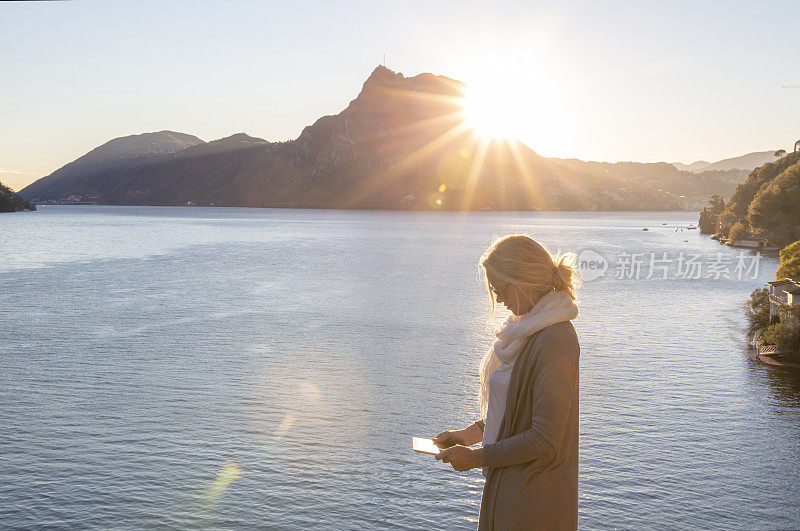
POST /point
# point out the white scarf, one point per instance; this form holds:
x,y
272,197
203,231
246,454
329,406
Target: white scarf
x,y
513,334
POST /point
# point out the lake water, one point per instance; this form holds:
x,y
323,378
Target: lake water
x,y
200,367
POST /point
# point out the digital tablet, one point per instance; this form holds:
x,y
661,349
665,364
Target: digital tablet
x,y
425,446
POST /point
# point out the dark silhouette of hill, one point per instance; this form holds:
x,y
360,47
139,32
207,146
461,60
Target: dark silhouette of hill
x,y
11,202
95,173
402,143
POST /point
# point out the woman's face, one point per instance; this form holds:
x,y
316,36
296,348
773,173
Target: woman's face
x,y
511,295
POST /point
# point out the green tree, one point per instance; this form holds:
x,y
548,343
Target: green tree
x,y
790,261
776,207
708,217
746,191
785,336
725,221
717,204
757,311
780,153
739,231
707,222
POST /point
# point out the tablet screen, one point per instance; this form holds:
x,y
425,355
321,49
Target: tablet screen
x,y
426,446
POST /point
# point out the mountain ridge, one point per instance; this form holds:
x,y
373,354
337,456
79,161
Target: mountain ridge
x,y
78,177
748,162
402,142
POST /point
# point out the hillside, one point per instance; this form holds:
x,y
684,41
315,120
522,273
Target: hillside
x,y
11,202
744,162
401,143
767,203
90,174
661,176
694,166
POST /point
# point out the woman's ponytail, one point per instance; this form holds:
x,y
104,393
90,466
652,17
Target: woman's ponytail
x,y
566,274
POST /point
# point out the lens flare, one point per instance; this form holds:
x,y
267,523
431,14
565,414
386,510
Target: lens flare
x,y
308,403
308,390
229,473
284,426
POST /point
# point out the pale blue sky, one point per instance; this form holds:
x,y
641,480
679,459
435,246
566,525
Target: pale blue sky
x,y
645,81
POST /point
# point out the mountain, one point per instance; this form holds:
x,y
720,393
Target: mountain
x,y
747,162
401,143
660,176
694,166
88,175
11,202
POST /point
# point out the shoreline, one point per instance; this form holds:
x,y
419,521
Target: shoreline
x,y
769,360
365,209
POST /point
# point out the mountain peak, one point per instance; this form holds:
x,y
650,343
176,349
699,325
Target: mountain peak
x,y
240,138
143,144
387,89
383,73
384,77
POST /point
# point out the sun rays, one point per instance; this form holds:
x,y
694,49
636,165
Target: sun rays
x,y
492,114
448,147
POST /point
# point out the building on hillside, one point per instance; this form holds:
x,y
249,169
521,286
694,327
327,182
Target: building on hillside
x,y
696,203
755,243
784,299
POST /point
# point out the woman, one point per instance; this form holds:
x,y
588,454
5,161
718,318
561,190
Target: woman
x,y
528,395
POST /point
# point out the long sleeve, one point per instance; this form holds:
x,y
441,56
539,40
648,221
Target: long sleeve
x,y
554,380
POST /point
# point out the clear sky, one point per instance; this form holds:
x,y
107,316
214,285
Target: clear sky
x,y
638,80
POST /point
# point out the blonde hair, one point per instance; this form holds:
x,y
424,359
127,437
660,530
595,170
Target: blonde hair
x,y
520,259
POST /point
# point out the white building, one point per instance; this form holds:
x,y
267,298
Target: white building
x,y
784,296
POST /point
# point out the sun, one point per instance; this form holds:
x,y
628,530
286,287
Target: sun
x,y
494,111
530,105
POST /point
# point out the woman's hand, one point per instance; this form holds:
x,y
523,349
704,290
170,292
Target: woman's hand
x,y
466,437
449,438
462,457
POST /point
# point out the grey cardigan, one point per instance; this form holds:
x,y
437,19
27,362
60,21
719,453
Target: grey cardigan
x,y
532,480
